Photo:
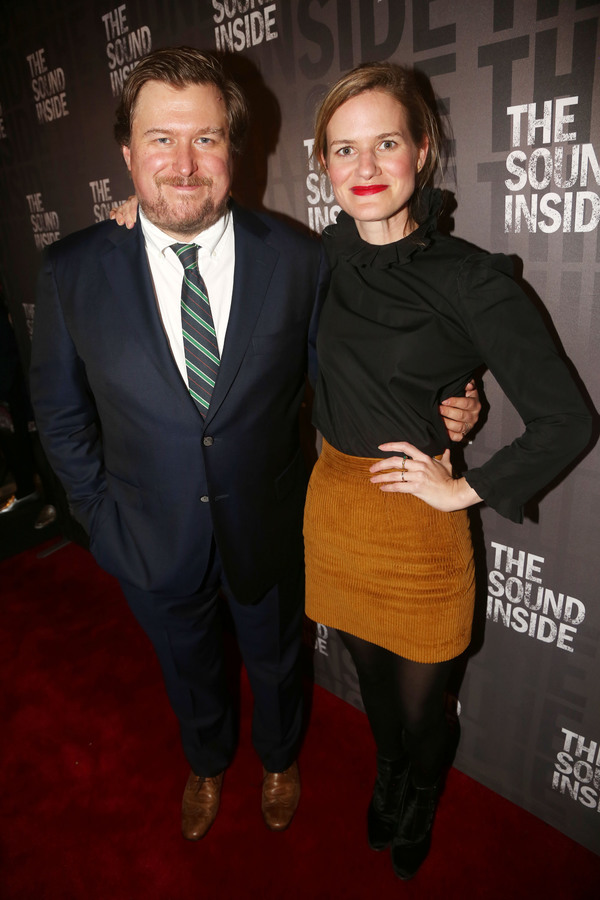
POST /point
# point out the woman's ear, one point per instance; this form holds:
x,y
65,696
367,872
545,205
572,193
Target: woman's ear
x,y
422,156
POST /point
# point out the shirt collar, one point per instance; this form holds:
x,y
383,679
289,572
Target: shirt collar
x,y
342,240
209,240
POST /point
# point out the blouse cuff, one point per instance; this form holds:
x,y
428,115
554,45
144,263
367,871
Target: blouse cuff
x,y
505,506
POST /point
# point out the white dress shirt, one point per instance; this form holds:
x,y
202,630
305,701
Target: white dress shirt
x,y
216,261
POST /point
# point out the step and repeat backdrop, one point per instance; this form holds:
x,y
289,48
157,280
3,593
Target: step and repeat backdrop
x,y
518,85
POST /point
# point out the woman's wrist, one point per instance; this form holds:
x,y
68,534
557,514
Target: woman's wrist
x,y
464,495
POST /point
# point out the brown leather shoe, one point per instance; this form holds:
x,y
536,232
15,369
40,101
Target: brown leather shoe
x,y
200,805
280,796
45,517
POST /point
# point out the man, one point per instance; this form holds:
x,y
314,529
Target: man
x,y
174,426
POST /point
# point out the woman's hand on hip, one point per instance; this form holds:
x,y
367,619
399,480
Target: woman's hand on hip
x,y
423,476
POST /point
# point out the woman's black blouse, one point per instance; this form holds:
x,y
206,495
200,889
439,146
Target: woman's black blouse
x,y
404,326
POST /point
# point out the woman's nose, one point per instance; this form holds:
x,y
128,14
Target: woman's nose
x,y
367,164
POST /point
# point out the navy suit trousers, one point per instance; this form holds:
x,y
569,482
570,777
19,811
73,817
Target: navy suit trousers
x,y
187,635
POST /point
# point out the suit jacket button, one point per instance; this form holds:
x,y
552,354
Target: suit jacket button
x,y
204,499
208,441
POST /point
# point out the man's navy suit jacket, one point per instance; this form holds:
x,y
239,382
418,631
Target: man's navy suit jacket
x,y
149,479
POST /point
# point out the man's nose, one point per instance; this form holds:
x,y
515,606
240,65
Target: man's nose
x,y
185,159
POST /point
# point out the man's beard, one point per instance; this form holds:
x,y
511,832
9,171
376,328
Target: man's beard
x,y
189,220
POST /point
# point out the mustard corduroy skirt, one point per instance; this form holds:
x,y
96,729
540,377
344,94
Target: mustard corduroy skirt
x,y
386,567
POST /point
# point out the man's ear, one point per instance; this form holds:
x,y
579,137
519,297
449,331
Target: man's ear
x,y
126,156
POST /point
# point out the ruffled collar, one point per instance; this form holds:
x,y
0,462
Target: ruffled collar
x,y
342,240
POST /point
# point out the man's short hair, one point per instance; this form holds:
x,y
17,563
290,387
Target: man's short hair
x,y
181,67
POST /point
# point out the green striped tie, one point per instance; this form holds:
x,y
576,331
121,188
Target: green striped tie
x,y
199,337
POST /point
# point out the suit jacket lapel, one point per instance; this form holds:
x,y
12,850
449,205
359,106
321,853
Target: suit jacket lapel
x,y
127,270
255,261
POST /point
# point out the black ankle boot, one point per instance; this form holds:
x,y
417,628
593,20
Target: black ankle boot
x,y
412,840
382,815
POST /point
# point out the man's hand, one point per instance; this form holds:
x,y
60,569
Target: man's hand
x,y
126,214
460,414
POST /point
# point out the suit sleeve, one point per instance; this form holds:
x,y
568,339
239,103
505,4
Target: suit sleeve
x,y
63,404
519,351
320,294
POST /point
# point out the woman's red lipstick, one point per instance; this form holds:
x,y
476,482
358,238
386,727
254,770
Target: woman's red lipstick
x,y
363,190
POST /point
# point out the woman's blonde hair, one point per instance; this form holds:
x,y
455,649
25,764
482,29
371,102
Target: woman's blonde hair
x,y
403,85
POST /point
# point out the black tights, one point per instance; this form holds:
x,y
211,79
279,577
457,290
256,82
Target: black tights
x,y
404,702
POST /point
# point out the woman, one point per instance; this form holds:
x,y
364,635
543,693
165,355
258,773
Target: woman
x,y
409,314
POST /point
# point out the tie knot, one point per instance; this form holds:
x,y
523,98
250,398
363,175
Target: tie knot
x,y
187,254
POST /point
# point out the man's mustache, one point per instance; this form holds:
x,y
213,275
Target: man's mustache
x,y
181,181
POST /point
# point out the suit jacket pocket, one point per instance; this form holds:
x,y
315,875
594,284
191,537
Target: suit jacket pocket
x,y
123,492
280,341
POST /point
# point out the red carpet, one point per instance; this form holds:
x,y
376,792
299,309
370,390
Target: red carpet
x,y
92,776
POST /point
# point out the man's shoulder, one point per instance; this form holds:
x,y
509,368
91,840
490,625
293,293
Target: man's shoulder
x,y
276,228
95,239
